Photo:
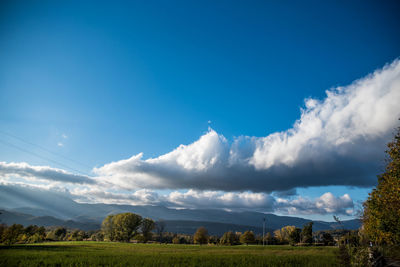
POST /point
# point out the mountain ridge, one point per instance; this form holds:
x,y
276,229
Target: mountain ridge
x,y
39,203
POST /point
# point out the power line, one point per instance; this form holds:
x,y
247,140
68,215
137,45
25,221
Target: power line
x,y
44,158
45,149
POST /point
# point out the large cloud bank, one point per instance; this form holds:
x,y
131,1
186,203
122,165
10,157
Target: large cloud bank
x,y
337,141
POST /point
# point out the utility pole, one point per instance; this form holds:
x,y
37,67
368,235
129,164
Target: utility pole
x,y
264,231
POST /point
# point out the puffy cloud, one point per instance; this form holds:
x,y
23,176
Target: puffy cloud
x,y
216,199
25,170
337,141
325,204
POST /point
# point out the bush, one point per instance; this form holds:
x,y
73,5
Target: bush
x,y
139,238
36,238
229,238
176,240
97,236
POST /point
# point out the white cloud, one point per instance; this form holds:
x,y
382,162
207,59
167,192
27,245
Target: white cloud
x,y
262,202
60,144
216,199
325,204
24,170
337,141
99,195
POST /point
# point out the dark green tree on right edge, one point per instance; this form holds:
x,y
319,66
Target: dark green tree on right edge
x,y
381,218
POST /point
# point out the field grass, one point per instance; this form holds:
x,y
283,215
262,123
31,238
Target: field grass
x,y
124,254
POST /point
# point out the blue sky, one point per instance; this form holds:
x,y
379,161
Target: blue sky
x,y
101,81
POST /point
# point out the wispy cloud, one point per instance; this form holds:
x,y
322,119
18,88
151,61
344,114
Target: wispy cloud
x,y
337,141
62,142
24,170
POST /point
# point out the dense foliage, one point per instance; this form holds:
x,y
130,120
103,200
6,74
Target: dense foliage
x,y
282,235
201,236
147,226
19,234
124,226
306,233
381,219
229,238
295,236
327,239
247,238
16,233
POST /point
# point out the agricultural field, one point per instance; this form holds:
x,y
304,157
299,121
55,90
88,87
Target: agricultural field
x,y
127,254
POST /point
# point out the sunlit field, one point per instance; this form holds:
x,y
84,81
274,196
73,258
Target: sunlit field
x,y
125,254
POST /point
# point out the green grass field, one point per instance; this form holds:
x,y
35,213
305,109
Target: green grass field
x,y
124,254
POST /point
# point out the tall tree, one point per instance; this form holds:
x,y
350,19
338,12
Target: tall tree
x,y
247,238
306,233
270,239
125,226
381,218
295,236
327,239
107,228
229,238
201,236
121,227
146,227
160,228
282,235
60,233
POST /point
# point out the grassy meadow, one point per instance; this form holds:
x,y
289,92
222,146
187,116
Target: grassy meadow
x,y
126,254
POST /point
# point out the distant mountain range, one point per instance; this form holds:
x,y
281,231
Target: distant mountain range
x,y
183,227
30,206
9,217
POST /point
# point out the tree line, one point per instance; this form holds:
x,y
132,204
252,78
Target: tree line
x,y
130,227
18,234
